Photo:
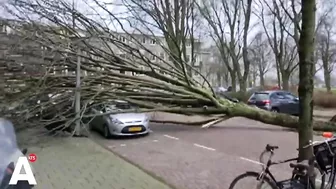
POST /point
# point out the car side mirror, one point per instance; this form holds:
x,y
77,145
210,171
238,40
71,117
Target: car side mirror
x,y
296,99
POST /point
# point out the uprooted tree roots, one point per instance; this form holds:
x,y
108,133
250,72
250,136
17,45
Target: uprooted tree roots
x,y
153,85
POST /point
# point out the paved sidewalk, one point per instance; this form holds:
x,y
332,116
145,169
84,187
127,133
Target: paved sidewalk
x,y
80,163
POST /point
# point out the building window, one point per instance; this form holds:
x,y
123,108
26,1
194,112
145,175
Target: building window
x,y
196,63
162,55
170,58
153,57
144,40
188,58
153,41
4,28
123,39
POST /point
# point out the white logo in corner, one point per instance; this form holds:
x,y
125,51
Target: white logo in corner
x,y
28,174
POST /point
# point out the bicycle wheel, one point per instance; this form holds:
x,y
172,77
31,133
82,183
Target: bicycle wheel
x,y
252,182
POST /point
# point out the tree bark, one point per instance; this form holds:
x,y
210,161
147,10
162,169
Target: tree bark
x,y
262,77
306,84
233,80
278,73
285,80
327,79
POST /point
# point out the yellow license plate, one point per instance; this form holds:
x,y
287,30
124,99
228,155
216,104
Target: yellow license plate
x,y
134,129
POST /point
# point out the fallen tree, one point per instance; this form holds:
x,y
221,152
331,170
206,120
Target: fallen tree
x,y
129,75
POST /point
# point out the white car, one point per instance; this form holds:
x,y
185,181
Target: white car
x,y
119,124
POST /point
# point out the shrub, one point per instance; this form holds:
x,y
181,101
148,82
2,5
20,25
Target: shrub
x,y
325,99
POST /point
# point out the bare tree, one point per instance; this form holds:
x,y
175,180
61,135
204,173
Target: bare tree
x,y
281,38
215,68
306,85
162,86
177,21
326,48
229,23
261,56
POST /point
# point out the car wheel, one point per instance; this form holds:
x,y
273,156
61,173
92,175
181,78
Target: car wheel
x,y
107,133
275,110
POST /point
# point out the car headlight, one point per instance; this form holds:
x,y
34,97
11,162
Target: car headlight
x,y
116,121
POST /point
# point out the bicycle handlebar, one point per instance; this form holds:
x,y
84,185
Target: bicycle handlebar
x,y
270,149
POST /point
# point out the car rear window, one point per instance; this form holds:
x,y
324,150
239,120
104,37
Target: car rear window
x,y
260,96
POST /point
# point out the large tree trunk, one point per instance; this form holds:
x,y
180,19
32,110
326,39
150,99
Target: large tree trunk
x,y
242,110
306,85
233,80
226,79
243,84
285,80
278,73
219,79
327,78
262,77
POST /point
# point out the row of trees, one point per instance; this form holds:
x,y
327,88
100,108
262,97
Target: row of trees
x,y
272,40
249,38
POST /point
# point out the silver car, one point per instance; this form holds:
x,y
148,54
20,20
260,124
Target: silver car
x,y
119,124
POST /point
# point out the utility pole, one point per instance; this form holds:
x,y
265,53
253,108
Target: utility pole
x,y
78,94
78,79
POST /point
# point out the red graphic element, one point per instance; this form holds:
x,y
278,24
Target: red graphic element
x,y
32,158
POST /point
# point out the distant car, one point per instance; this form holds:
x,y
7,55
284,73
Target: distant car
x,y
119,124
276,101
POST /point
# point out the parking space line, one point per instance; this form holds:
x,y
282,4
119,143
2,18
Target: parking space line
x,y
171,137
122,144
252,161
204,147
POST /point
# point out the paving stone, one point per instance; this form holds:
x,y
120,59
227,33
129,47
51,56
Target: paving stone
x,y
80,163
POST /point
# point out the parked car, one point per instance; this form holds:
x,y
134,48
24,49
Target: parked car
x,y
119,124
276,101
10,153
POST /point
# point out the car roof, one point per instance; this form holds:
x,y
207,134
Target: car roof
x,y
271,91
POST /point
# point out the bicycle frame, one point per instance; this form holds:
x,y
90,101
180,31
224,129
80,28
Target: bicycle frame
x,y
267,172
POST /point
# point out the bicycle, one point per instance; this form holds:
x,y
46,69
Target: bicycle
x,y
324,161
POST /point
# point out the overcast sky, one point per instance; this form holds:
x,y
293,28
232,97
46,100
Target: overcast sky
x,y
91,9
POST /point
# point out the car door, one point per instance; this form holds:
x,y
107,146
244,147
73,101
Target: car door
x,y
279,101
293,103
97,121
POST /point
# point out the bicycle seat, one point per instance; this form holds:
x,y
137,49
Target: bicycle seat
x,y
271,147
300,165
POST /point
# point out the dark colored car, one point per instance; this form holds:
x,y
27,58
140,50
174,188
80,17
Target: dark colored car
x,y
276,101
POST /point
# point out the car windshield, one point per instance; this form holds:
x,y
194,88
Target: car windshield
x,y
260,96
123,106
119,106
289,96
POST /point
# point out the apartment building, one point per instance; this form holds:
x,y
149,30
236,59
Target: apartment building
x,y
158,47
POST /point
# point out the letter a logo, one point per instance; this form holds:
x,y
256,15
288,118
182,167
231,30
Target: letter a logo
x,y
27,176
